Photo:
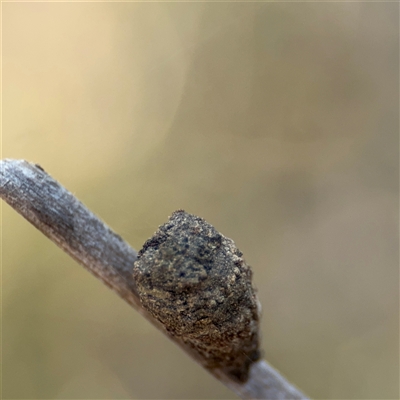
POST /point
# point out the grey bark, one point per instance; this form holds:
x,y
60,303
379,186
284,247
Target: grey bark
x,y
67,222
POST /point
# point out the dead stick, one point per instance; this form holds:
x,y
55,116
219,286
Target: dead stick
x,y
66,221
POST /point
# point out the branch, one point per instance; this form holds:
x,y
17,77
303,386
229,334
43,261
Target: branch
x,y
67,222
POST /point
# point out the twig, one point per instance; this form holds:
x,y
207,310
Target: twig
x,y
66,221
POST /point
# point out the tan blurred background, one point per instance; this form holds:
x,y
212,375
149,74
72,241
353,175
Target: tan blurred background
x,y
278,123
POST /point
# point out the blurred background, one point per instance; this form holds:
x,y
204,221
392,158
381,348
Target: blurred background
x,y
276,122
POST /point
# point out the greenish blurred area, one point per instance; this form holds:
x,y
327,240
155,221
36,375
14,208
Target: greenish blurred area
x,y
276,122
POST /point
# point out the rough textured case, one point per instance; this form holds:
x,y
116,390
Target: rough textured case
x,y
195,282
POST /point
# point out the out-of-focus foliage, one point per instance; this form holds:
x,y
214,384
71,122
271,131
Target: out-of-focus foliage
x,y
277,123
